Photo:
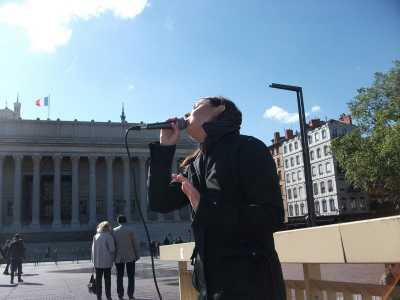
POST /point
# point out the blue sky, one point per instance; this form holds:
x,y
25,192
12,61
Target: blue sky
x,y
159,56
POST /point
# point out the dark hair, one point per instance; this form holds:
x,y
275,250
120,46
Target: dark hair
x,y
231,114
121,219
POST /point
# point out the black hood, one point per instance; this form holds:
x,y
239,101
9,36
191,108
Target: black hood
x,y
216,129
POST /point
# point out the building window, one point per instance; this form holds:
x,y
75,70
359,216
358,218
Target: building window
x,y
286,163
312,155
294,193
284,149
290,147
300,191
302,208
290,210
313,171
316,136
291,161
362,203
296,145
299,177
297,159
328,167
317,207
332,204
320,171
330,186
293,177
323,133
289,193
296,208
326,150
319,153
324,206
322,185
315,188
310,139
353,203
288,177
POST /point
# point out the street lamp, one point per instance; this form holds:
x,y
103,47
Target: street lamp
x,y
304,144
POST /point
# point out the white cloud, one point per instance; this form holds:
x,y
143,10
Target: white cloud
x,y
48,22
279,114
315,108
131,87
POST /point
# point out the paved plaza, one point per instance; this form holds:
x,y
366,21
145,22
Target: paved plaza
x,y
68,281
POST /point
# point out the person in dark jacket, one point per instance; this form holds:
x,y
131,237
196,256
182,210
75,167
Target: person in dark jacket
x,y
16,254
5,249
232,186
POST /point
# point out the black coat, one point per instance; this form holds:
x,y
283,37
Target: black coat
x,y
240,208
16,250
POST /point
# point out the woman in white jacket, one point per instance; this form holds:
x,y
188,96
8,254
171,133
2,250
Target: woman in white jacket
x,y
103,252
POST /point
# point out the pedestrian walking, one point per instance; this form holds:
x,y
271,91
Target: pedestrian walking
x,y
5,248
103,251
16,253
127,254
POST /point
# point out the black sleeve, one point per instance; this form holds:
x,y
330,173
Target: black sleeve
x,y
164,195
260,186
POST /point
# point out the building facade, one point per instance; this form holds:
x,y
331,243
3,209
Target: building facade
x,y
276,151
66,176
332,194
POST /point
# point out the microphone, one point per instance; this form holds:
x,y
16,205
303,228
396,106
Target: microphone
x,y
181,122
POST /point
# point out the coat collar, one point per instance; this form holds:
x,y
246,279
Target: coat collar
x,y
216,130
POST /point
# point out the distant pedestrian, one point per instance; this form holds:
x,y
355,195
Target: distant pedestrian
x,y
127,254
5,248
48,253
55,256
178,240
103,251
166,241
153,248
16,253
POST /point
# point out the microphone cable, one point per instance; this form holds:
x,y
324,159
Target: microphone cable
x,y
139,208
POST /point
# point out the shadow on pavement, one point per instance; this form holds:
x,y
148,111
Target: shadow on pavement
x,y
7,285
31,283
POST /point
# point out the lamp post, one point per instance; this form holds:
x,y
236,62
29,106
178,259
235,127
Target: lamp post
x,y
304,144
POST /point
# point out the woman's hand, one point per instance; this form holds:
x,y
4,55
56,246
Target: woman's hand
x,y
170,136
190,191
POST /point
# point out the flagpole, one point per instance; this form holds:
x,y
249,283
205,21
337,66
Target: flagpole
x,y
48,109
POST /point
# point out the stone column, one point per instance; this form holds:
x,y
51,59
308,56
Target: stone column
x,y
75,191
127,188
36,191
57,159
1,191
110,191
92,190
17,190
142,185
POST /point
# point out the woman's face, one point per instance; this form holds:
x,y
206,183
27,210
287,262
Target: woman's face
x,y
201,113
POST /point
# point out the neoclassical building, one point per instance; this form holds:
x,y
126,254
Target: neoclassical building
x,y
66,176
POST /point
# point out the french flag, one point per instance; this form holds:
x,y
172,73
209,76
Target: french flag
x,y
44,101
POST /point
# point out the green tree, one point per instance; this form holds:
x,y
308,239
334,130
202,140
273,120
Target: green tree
x,y
370,154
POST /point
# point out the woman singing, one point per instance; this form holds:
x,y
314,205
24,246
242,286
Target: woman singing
x,y
232,186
